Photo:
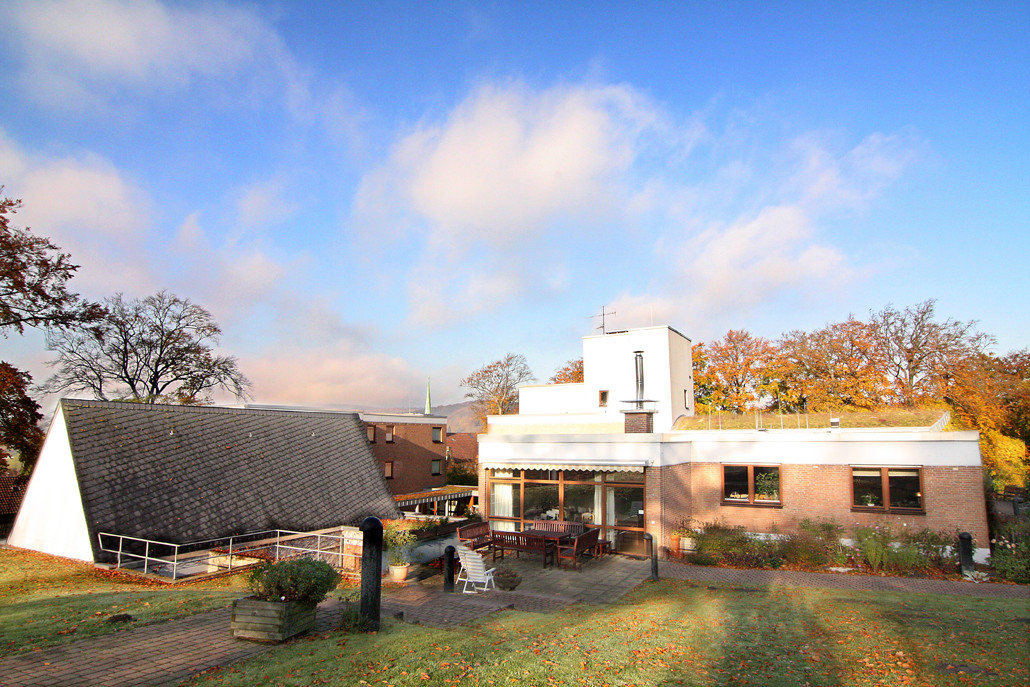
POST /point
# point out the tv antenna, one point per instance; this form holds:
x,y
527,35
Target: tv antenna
x,y
602,316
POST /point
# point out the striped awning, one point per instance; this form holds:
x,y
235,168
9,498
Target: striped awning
x,y
562,466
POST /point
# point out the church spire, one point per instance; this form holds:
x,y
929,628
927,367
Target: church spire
x,y
429,403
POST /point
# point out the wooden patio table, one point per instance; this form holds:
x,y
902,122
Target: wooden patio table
x,y
557,537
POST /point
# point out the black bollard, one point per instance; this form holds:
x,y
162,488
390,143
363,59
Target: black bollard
x,y
448,568
965,552
371,570
653,555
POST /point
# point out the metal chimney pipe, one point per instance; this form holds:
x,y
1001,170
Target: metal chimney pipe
x,y
640,376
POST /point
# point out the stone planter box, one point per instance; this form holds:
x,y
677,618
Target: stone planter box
x,y
270,621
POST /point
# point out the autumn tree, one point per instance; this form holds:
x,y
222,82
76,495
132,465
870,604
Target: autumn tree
x,y
156,349
704,385
570,373
19,419
495,386
739,365
834,367
34,276
918,352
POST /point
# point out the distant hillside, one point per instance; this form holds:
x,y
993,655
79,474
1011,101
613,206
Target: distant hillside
x,y
460,417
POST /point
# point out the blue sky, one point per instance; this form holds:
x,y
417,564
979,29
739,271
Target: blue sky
x,y
367,194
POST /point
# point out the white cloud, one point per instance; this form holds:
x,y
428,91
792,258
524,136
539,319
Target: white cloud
x,y
333,375
84,46
101,56
264,203
507,170
86,206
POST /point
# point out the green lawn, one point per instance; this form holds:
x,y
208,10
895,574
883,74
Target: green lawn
x,y
673,633
46,601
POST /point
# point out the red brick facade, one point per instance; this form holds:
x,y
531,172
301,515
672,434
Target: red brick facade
x,y
411,451
952,500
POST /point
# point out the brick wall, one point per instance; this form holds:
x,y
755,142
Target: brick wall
x,y
639,423
668,499
412,452
952,497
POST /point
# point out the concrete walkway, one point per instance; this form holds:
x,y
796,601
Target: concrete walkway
x,y
169,652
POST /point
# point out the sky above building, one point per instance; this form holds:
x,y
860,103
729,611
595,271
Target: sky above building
x,y
370,194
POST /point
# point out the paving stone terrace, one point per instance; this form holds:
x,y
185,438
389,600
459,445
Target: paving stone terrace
x,y
169,652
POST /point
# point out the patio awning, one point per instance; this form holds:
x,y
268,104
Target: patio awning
x,y
445,494
562,466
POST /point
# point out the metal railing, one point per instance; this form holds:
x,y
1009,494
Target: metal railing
x,y
208,556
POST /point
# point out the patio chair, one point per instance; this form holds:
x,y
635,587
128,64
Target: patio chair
x,y
580,545
474,572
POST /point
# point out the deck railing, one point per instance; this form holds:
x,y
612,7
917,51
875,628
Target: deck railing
x,y
341,548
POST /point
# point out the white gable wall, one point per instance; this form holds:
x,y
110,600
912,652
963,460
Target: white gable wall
x,y
51,518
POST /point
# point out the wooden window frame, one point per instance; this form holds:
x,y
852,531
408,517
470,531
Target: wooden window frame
x,y
370,430
602,398
437,431
390,433
388,469
439,464
885,489
752,501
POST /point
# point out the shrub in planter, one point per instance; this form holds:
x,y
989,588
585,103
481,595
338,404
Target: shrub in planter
x,y
285,596
303,580
398,541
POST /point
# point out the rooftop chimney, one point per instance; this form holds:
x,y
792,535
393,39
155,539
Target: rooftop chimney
x,y
639,419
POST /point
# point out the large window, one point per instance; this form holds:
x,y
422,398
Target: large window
x,y
756,485
887,489
611,501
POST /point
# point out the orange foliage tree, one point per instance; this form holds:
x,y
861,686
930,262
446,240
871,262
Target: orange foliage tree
x,y
739,365
570,373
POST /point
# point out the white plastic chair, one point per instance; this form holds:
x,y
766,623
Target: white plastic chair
x,y
474,572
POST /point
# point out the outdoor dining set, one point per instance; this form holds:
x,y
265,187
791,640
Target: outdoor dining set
x,y
557,541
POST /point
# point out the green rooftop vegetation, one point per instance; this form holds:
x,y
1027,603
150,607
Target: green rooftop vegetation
x,y
849,419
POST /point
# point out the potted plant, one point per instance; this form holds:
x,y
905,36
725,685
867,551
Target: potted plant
x,y
398,541
284,598
506,579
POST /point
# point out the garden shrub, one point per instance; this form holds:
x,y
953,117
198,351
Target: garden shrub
x,y
299,579
1010,552
804,548
698,558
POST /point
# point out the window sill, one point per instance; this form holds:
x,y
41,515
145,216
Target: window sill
x,y
888,511
745,504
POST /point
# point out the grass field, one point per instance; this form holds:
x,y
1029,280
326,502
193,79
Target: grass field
x,y
677,633
45,601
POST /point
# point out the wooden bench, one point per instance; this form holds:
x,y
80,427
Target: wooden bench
x,y
475,536
569,527
521,543
1010,492
584,543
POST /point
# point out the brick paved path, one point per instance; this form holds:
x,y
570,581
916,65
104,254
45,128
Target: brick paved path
x,y
169,652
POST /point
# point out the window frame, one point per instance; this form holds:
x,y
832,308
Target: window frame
x,y
436,467
370,431
885,495
602,398
390,433
437,434
388,469
752,500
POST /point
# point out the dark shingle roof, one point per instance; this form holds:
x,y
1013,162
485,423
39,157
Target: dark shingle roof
x,y
12,489
181,473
